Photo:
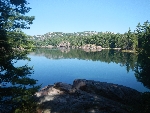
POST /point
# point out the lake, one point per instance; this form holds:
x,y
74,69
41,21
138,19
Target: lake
x,y
112,66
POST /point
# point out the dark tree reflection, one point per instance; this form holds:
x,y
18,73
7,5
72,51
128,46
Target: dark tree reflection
x,y
142,70
142,74
125,59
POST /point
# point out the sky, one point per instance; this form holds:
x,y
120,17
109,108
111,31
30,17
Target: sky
x,y
70,16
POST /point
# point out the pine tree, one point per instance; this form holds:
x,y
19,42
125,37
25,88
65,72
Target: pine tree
x,y
14,46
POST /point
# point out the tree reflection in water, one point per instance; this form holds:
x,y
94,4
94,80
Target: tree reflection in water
x,y
140,63
142,70
142,74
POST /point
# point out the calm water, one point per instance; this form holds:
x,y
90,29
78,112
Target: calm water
x,y
51,66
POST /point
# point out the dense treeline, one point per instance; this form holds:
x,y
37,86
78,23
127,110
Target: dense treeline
x,y
127,41
106,40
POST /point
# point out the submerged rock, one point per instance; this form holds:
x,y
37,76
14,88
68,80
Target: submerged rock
x,y
87,96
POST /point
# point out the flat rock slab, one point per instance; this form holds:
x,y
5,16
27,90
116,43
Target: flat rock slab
x,y
87,96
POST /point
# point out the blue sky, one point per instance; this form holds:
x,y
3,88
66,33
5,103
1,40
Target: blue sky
x,y
87,15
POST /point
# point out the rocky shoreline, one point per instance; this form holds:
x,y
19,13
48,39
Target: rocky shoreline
x,y
87,96
86,47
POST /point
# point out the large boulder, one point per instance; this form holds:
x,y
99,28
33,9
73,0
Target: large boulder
x,y
91,47
64,44
87,96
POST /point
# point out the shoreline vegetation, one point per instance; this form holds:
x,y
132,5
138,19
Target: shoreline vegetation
x,y
96,41
88,40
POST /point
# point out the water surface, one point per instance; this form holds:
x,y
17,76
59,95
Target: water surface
x,y
51,66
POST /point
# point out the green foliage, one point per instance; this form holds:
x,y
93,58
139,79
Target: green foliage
x,y
16,86
105,39
12,18
12,14
142,68
143,64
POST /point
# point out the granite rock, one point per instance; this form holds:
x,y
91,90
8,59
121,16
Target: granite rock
x,y
86,96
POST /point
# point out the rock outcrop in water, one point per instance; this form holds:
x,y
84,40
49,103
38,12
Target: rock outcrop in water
x,y
87,96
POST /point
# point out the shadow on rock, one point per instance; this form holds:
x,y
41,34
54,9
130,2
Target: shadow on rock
x,y
87,96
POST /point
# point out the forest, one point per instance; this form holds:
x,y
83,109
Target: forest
x,y
127,41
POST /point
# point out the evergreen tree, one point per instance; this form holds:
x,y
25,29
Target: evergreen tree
x,y
12,18
16,87
143,64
